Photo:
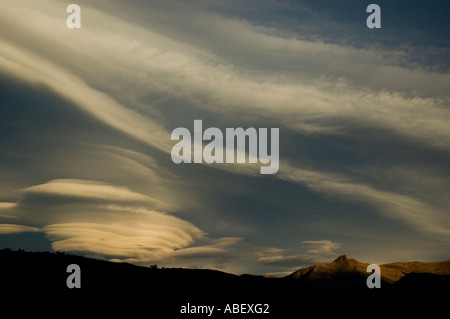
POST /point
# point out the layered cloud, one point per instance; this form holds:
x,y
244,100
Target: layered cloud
x,y
5,208
101,220
362,124
81,189
336,87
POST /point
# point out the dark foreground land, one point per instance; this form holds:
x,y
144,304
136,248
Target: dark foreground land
x,y
37,281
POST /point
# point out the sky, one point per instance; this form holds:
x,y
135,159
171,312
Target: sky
x,y
86,117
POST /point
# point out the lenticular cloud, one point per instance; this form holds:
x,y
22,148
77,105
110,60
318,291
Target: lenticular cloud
x,y
71,213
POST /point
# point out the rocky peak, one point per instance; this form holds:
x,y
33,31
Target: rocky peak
x,y
341,260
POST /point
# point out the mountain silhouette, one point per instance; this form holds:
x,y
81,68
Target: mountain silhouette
x,y
39,278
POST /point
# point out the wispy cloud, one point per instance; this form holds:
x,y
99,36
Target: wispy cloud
x,y
422,216
349,89
83,189
15,229
5,205
316,251
326,247
350,117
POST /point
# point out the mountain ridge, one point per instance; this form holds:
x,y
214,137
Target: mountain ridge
x,y
40,277
390,273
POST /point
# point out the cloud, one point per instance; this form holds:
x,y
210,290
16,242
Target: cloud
x,y
32,68
422,216
325,247
145,240
319,251
84,189
220,250
116,225
6,229
6,205
336,87
6,209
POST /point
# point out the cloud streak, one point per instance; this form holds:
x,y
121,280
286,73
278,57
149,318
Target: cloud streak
x,y
83,189
419,215
6,229
307,101
316,251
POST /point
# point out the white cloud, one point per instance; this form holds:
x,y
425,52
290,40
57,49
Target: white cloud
x,y
146,239
6,205
116,225
221,249
6,229
318,251
6,210
335,88
33,68
84,189
422,216
325,247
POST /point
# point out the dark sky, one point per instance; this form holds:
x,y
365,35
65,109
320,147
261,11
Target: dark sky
x,y
86,117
